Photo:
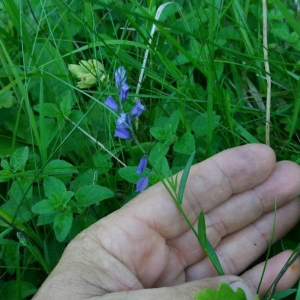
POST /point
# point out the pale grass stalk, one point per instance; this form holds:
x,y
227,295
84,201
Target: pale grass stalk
x,y
267,69
141,77
96,142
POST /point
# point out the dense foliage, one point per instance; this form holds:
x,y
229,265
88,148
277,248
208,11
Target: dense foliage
x,y
203,85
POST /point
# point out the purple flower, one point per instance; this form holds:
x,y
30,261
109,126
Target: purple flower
x,y
123,129
142,184
142,165
137,110
120,77
111,103
124,92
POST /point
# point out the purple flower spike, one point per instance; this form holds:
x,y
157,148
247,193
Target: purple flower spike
x,y
137,110
120,77
142,165
124,92
111,103
122,133
123,129
142,184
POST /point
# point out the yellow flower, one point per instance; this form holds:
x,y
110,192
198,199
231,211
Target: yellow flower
x,y
88,72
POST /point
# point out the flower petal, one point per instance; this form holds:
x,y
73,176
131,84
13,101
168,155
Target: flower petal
x,y
111,103
142,184
137,110
142,165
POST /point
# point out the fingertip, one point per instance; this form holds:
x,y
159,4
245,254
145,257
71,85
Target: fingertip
x,y
274,266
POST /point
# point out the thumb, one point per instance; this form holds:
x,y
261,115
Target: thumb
x,y
186,291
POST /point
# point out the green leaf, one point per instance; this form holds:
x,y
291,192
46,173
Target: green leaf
x,y
199,125
281,30
159,150
43,207
161,168
19,159
92,194
50,110
5,175
10,290
53,185
102,162
129,174
158,133
7,99
66,102
202,230
4,164
224,292
62,225
61,169
186,144
184,177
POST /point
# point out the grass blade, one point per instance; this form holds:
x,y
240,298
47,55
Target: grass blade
x,y
185,177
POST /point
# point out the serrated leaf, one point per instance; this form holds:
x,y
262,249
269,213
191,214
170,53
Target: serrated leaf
x,y
224,292
53,185
92,194
19,159
43,207
62,225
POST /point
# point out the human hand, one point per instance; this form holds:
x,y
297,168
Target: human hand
x,y
146,250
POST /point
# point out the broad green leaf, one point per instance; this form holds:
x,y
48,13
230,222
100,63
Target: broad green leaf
x,y
4,164
92,194
186,144
224,292
84,179
199,125
158,133
129,174
19,159
10,290
50,110
60,169
102,162
53,185
66,102
45,219
184,177
43,207
161,168
7,99
5,175
158,151
280,30
62,225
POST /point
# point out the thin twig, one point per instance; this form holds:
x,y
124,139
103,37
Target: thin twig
x,y
267,69
96,142
282,272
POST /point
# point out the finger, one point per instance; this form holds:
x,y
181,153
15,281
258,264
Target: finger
x,y
236,213
237,251
186,291
274,266
210,183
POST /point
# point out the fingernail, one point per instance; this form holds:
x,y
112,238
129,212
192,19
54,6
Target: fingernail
x,y
245,287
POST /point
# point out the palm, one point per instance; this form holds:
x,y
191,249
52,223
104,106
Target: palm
x,y
148,243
